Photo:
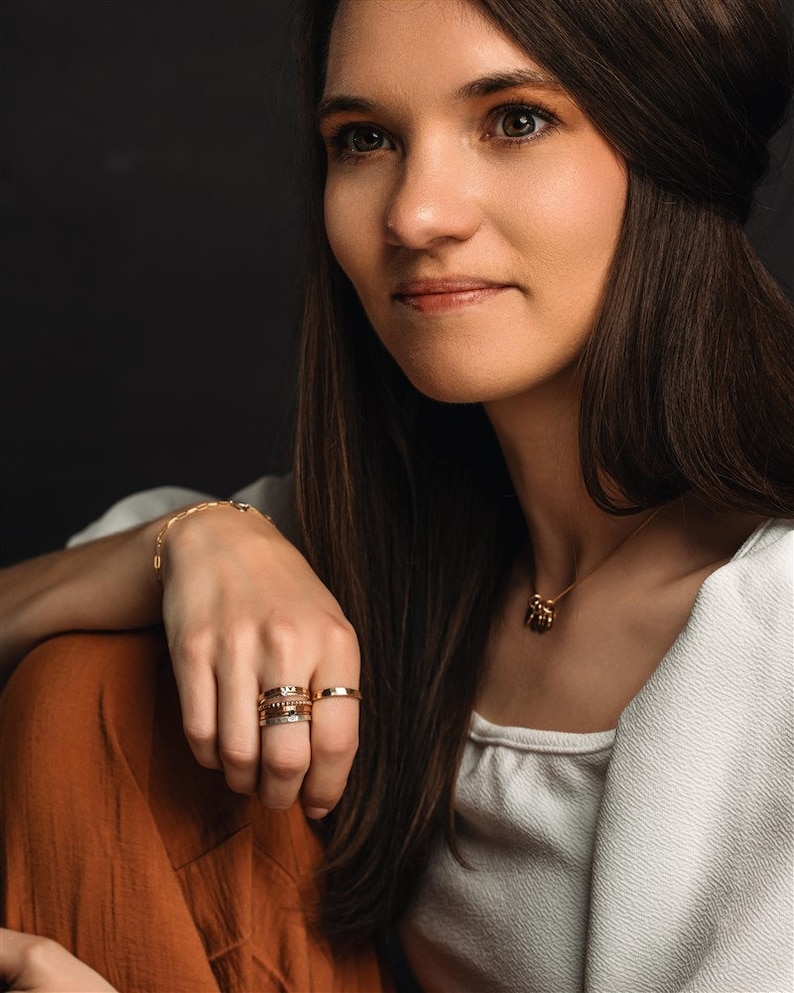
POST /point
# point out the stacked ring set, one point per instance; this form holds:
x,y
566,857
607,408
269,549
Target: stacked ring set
x,y
293,704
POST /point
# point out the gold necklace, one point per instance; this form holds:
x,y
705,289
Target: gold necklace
x,y
540,613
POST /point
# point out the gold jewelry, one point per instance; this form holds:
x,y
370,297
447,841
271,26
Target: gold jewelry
x,y
276,707
336,691
540,613
160,539
284,712
282,691
284,705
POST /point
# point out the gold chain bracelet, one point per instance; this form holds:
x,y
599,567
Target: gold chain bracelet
x,y
160,539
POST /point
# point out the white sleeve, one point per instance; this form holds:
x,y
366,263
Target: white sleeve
x,y
270,494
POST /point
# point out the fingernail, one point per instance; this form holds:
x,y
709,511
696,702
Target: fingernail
x,y
315,813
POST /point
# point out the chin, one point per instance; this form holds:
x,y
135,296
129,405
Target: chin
x,y
457,389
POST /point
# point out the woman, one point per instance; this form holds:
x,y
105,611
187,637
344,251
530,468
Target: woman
x,y
540,493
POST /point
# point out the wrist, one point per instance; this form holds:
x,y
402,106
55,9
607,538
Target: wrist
x,y
184,527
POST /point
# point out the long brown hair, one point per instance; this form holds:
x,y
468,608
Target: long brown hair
x,y
406,508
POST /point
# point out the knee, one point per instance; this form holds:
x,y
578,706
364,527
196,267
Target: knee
x,y
69,695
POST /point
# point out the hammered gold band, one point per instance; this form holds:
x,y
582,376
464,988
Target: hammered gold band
x,y
331,691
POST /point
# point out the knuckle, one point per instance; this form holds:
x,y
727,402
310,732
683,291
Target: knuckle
x,y
238,755
200,734
241,637
323,802
38,953
321,793
336,749
283,634
194,647
200,646
341,639
286,763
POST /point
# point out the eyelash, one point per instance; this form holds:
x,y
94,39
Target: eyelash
x,y
340,138
531,110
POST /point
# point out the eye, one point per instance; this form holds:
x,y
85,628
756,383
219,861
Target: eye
x,y
352,141
520,121
366,139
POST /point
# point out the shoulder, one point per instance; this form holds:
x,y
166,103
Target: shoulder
x,y
760,575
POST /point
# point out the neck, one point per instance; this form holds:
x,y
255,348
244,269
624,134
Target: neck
x,y
538,435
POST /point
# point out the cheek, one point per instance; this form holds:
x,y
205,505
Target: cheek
x,y
349,230
591,199
334,225
573,218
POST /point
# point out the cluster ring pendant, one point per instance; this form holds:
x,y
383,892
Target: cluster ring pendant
x,y
540,614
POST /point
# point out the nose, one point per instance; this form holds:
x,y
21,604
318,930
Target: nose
x,y
433,200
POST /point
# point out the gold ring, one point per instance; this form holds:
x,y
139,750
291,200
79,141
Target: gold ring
x,y
279,707
284,711
281,691
275,705
330,691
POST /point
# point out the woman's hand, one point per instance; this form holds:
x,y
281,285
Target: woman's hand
x,y
244,612
28,962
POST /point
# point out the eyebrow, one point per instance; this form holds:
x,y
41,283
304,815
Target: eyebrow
x,y
345,104
486,85
481,87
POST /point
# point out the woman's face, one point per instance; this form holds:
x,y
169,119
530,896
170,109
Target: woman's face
x,y
470,202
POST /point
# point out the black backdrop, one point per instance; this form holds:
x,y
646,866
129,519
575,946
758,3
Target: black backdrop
x,y
150,252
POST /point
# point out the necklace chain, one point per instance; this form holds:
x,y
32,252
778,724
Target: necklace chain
x,y
540,613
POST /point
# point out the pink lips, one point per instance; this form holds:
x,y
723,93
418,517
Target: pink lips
x,y
432,296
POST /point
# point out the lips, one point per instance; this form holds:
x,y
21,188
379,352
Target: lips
x,y
451,293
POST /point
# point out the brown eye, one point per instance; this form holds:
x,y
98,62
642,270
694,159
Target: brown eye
x,y
520,122
366,139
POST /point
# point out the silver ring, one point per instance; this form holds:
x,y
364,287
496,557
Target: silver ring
x,y
266,722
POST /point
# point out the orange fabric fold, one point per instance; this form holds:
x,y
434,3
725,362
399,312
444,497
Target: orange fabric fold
x,y
142,863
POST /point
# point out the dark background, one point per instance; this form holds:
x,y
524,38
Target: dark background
x,y
150,252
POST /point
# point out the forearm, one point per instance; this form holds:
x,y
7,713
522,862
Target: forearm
x,y
107,584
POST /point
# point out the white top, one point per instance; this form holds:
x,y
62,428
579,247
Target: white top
x,y
526,804
692,870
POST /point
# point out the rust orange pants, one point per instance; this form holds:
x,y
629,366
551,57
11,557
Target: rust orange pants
x,y
143,864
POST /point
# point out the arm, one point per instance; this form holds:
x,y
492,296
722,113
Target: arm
x,y
107,584
243,611
29,962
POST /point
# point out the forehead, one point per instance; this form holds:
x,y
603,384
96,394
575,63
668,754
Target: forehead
x,y
415,44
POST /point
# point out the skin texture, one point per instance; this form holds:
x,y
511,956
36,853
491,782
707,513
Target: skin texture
x,y
28,962
428,180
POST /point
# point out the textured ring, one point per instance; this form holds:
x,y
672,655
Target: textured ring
x,y
267,722
281,691
276,705
330,691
